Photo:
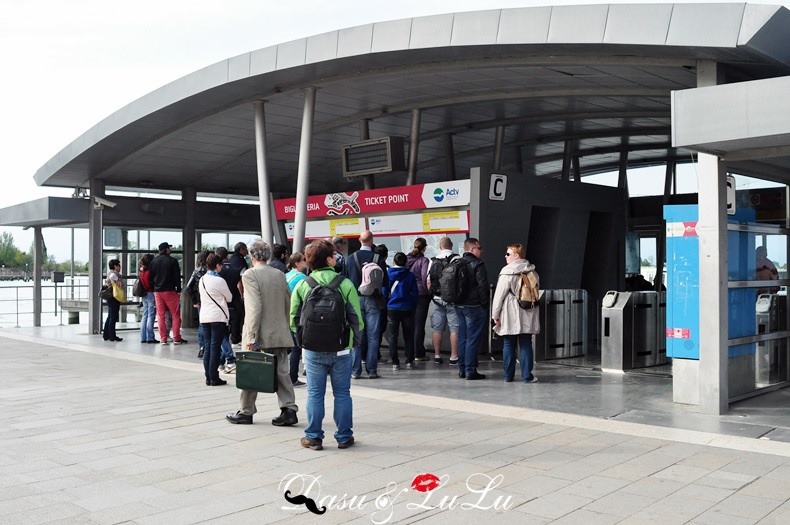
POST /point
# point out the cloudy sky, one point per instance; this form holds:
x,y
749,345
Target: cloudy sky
x,y
68,64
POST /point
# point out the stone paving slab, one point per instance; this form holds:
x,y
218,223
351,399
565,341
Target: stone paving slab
x,y
88,438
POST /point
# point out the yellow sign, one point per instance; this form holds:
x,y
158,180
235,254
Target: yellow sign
x,y
344,227
441,221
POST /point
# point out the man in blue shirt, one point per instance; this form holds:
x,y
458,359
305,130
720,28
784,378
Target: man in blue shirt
x,y
369,305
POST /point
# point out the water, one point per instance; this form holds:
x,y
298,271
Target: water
x,y
16,301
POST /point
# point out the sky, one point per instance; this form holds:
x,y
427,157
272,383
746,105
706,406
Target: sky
x,y
68,65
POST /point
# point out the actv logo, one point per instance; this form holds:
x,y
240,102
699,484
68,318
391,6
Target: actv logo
x,y
439,194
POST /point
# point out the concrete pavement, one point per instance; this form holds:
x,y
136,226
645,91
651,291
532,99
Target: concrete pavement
x,y
92,434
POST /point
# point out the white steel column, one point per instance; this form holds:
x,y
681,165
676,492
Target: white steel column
x,y
414,144
712,231
264,192
38,252
303,174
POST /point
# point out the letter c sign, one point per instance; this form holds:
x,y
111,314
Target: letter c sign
x,y
497,188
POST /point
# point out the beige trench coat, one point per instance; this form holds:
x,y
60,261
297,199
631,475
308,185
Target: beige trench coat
x,y
513,319
266,304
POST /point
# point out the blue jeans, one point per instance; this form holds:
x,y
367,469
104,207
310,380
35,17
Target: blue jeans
x,y
215,332
338,368
147,321
227,355
372,317
524,342
471,321
201,333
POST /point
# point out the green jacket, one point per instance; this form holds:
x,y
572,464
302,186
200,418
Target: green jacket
x,y
347,290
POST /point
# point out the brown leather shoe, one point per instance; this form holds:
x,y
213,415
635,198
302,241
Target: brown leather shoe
x,y
312,444
346,444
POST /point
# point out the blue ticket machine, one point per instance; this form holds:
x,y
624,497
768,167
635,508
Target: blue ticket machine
x,y
682,329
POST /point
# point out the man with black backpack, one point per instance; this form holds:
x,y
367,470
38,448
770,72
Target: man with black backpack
x,y
444,315
464,283
368,273
324,314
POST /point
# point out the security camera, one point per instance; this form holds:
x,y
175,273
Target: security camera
x,y
99,202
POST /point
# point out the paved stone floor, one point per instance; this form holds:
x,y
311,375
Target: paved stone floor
x,y
92,434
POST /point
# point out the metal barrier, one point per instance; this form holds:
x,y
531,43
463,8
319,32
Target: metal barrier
x,y
563,333
22,299
771,356
633,332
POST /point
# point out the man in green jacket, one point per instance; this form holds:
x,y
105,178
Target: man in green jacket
x,y
320,255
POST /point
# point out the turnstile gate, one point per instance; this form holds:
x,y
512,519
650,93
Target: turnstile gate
x,y
633,330
563,318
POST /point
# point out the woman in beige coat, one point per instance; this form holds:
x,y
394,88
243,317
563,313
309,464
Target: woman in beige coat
x,y
511,322
266,327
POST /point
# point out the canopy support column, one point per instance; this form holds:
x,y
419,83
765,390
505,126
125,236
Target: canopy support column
x,y
567,160
303,173
264,192
414,144
96,261
38,252
449,156
189,196
364,134
713,286
499,140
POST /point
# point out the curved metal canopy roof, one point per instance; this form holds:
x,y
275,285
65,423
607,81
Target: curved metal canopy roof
x,y
599,76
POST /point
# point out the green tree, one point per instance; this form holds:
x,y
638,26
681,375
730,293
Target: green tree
x,y
9,253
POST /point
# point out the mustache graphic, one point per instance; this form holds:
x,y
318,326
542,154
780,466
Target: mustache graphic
x,y
304,500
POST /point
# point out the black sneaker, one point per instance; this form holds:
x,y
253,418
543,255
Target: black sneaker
x,y
180,342
438,360
474,376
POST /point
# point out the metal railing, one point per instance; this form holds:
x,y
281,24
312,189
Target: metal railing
x,y
17,300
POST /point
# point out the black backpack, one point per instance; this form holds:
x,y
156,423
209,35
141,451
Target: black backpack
x,y
435,272
322,324
452,282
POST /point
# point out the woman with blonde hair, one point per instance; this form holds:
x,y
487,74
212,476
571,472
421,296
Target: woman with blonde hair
x,y
512,322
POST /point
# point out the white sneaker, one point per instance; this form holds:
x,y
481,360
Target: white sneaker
x,y
230,368
236,346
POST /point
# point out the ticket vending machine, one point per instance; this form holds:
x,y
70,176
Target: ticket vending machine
x,y
682,306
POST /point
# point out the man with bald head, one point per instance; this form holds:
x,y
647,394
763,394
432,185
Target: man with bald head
x,y
369,305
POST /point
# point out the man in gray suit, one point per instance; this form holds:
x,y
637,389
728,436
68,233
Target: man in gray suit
x,y
266,327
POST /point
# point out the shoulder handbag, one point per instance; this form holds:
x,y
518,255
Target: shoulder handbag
x,y
106,291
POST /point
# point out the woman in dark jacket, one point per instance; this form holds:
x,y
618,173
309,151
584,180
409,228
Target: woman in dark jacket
x,y
418,263
401,306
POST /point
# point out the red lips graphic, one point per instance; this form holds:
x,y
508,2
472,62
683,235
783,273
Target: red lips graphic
x,y
425,483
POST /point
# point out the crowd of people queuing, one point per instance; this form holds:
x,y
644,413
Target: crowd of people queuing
x,y
272,304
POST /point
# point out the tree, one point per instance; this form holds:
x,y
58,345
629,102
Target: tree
x,y
9,253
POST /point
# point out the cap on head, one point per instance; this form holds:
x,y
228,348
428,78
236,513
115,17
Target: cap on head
x,y
164,246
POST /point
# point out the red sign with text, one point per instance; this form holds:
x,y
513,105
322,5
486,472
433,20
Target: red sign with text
x,y
402,198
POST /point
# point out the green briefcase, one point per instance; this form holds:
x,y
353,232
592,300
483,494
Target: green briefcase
x,y
256,371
